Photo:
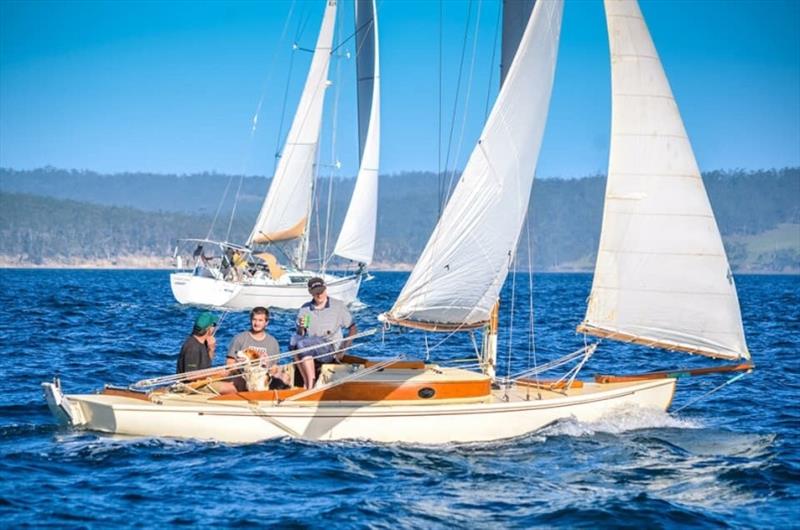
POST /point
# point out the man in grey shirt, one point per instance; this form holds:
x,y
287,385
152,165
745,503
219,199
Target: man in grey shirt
x,y
256,339
322,317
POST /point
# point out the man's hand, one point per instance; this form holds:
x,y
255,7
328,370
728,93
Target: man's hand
x,y
211,342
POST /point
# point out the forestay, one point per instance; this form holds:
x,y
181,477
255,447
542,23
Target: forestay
x,y
662,277
285,212
459,275
357,237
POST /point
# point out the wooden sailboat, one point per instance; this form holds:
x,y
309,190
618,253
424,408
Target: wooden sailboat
x,y
457,281
283,222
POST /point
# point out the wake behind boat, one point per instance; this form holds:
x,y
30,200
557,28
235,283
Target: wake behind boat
x,y
271,268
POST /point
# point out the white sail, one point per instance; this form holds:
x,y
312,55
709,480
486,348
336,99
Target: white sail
x,y
458,278
285,213
662,277
357,237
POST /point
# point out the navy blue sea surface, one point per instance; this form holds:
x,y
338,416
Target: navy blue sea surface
x,y
731,460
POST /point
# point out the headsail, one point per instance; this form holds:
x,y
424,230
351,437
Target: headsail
x,y
662,277
458,277
285,213
357,237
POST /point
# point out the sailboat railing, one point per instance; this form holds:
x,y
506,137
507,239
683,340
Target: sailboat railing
x,y
556,363
197,374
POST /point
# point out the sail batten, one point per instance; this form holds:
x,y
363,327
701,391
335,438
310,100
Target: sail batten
x,y
457,279
288,203
356,240
662,278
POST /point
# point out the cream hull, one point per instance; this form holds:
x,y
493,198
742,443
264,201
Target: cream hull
x,y
492,418
210,292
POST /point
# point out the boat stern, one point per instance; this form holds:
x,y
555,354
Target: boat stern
x,y
189,289
64,410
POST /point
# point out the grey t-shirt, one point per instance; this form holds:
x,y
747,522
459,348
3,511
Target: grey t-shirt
x,y
244,340
328,321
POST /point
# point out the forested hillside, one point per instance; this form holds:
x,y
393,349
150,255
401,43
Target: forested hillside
x,y
50,215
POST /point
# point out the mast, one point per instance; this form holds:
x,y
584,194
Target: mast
x,y
457,279
285,213
516,14
662,277
356,240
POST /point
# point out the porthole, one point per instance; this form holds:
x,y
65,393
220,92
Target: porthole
x,y
426,392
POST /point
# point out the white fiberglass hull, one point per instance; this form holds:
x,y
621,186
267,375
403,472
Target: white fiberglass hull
x,y
201,291
429,423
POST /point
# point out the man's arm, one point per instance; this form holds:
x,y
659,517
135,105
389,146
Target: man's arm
x,y
211,343
233,348
351,330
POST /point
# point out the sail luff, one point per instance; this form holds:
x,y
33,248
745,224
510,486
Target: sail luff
x,y
357,237
289,198
458,277
662,276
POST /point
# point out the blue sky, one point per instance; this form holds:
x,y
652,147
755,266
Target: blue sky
x,y
172,87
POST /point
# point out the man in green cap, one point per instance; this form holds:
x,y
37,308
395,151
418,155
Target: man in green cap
x,y
198,350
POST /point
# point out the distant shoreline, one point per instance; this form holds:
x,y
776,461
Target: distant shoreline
x,y
142,263
164,264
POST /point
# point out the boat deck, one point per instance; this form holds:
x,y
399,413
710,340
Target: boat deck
x,y
428,385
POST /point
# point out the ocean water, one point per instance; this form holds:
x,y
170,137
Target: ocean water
x,y
732,459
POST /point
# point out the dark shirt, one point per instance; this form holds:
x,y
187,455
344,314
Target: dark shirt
x,y
194,356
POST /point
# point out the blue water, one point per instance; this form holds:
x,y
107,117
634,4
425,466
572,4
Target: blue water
x,y
731,460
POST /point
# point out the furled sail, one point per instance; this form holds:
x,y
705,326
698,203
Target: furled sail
x,y
357,237
662,277
286,209
459,275
516,14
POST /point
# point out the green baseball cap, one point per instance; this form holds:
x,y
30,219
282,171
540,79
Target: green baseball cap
x,y
206,320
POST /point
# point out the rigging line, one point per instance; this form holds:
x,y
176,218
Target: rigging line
x,y
531,314
577,369
279,140
365,25
455,105
465,112
266,85
712,391
233,210
439,143
301,26
334,162
219,207
498,23
270,70
511,320
555,363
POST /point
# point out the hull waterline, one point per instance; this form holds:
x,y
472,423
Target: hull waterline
x,y
210,292
430,423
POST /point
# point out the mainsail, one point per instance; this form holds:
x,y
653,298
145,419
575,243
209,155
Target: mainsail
x,y
458,277
662,277
285,213
357,237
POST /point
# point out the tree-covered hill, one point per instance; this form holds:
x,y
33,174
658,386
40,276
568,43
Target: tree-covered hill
x,y
51,215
